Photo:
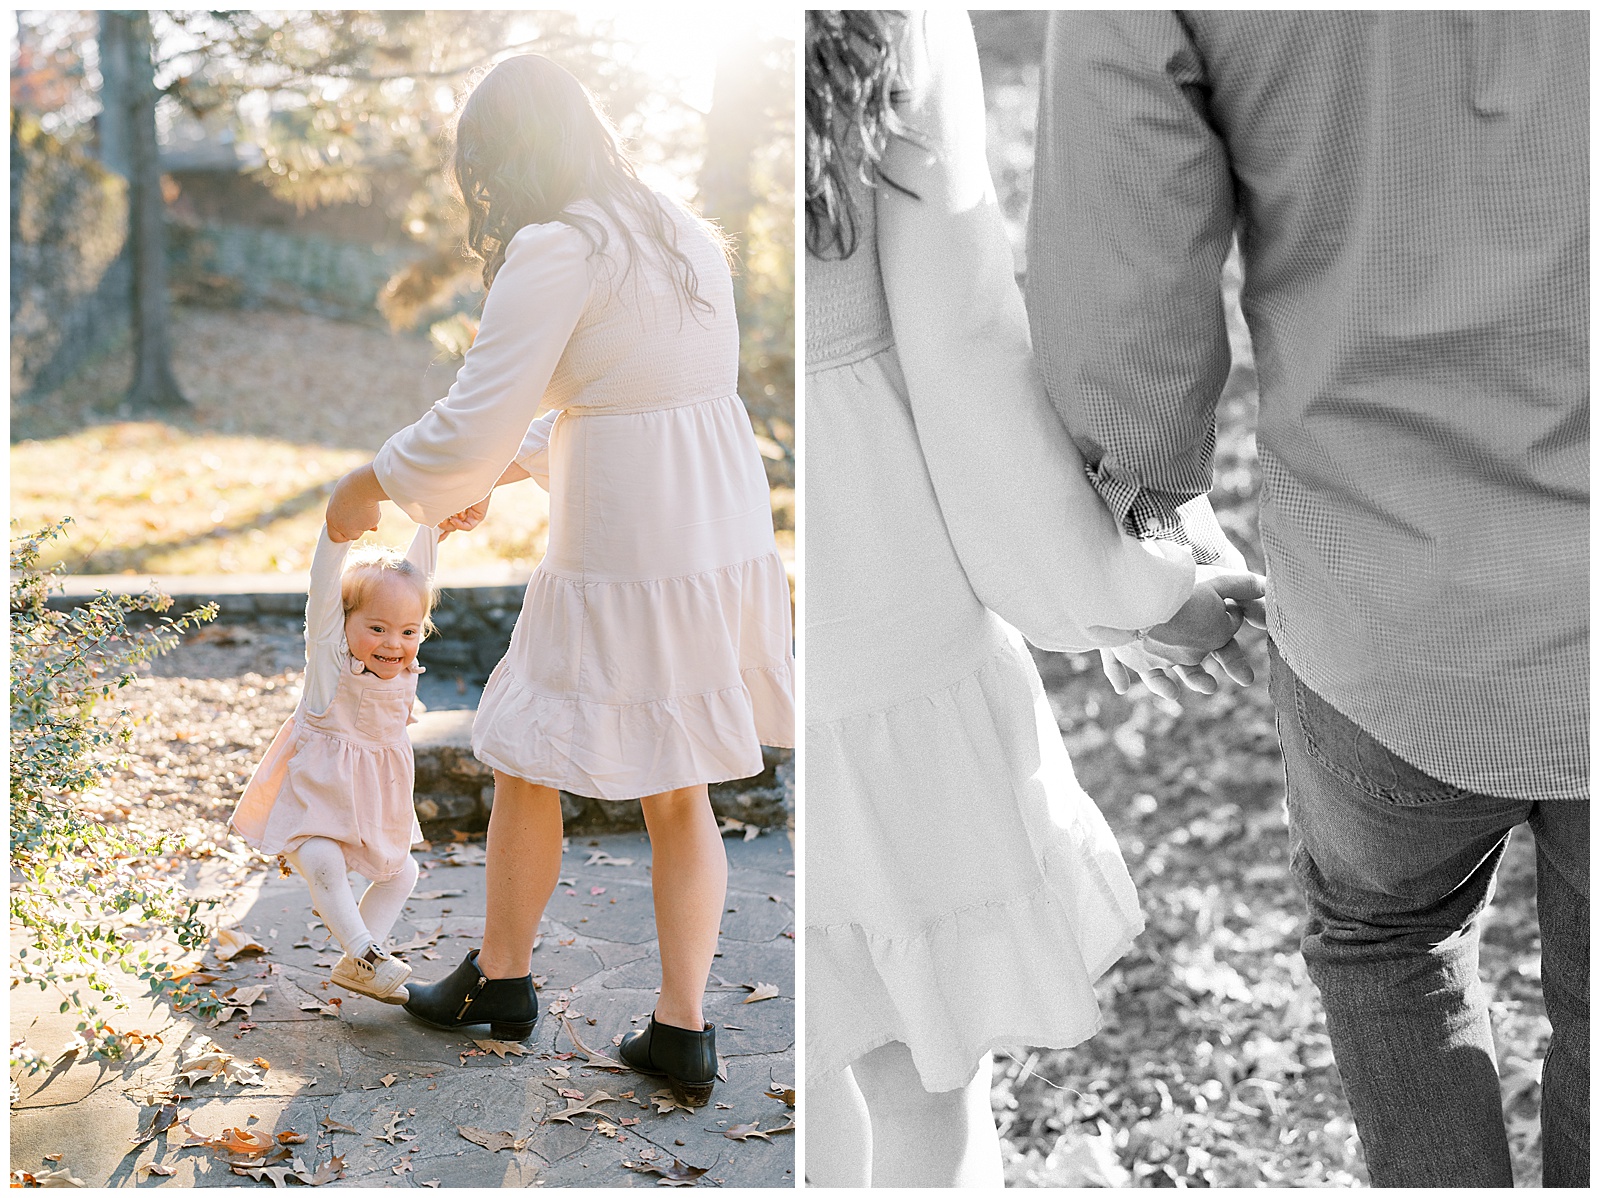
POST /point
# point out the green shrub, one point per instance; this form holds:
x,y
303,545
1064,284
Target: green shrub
x,y
75,891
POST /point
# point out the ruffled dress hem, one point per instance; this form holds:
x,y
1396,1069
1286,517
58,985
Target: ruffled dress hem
x,y
898,988
718,733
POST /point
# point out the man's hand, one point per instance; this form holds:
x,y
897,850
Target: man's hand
x,y
1175,653
466,520
353,506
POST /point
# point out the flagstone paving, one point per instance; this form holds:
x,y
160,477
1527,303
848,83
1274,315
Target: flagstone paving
x,y
360,1094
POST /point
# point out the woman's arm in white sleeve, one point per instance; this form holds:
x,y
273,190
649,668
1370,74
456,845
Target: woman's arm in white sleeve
x,y
534,454
457,452
325,647
1036,542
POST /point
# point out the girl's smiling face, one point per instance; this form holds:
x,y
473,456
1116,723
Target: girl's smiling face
x,y
384,632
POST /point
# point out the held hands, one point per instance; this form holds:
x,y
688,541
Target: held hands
x,y
1201,631
465,520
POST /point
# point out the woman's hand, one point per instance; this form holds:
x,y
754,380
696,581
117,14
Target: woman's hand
x,y
466,520
1201,633
353,506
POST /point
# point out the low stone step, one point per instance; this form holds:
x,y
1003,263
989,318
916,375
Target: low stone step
x,y
455,790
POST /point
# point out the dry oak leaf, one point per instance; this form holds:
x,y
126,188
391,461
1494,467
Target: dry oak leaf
x,y
152,1168
501,1047
210,1061
596,1060
333,1125
56,1179
494,1141
166,1116
388,1080
585,1107
783,1093
666,1103
760,991
231,943
752,1131
599,857
675,1174
392,1131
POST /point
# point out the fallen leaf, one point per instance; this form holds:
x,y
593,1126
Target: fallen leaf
x,y
783,1093
210,1061
392,1131
751,833
291,1137
388,1080
599,857
675,1174
752,1131
494,1141
430,895
57,1179
153,1169
166,1115
560,1072
596,1060
333,1124
231,943
576,1107
501,1047
761,991
666,1103
402,1168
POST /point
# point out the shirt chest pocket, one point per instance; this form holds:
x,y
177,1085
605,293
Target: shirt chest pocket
x,y
382,715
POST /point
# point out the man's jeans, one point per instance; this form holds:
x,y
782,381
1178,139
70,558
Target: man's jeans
x,y
1396,867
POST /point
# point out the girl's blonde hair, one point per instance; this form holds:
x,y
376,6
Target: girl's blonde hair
x,y
366,567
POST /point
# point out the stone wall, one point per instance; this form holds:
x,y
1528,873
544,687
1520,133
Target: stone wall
x,y
254,267
70,281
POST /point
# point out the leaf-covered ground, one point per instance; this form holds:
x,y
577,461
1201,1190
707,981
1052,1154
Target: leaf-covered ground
x,y
1213,1068
284,403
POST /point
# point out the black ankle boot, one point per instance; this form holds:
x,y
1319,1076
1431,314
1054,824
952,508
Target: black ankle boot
x,y
688,1059
508,1005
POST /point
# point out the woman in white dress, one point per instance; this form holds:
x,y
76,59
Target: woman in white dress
x,y
962,892
653,652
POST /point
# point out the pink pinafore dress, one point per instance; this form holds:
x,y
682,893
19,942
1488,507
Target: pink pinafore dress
x,y
341,767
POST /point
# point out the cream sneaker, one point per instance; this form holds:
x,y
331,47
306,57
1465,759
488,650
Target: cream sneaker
x,y
382,978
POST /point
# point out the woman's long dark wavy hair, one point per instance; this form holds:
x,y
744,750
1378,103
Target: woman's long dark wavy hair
x,y
531,140
852,82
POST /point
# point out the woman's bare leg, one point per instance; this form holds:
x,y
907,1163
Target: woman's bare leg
x,y
922,1139
524,862
689,878
838,1133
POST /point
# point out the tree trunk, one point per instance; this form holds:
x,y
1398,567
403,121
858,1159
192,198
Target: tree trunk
x,y
734,127
126,41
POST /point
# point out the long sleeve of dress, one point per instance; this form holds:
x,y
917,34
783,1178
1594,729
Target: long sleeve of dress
x,y
454,455
534,454
325,645
1133,213
1037,544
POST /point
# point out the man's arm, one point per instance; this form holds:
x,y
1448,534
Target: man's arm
x,y
1133,213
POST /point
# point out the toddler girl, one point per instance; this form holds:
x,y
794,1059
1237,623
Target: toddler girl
x,y
334,791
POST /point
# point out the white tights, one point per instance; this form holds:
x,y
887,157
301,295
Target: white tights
x,y
321,863
874,1125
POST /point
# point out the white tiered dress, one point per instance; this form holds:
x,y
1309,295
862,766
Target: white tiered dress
x,y
654,647
962,891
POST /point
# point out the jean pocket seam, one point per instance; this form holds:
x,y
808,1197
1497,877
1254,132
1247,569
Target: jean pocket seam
x,y
1390,795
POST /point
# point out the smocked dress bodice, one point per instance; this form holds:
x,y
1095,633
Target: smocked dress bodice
x,y
854,321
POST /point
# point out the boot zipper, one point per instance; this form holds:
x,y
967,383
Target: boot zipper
x,y
482,982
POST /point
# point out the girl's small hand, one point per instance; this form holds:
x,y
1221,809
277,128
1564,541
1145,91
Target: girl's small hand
x,y
353,506
466,520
